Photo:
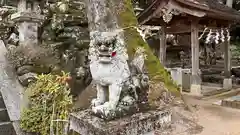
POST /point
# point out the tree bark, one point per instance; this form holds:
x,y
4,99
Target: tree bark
x,y
109,15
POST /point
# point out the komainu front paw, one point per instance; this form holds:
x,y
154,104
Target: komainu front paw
x,y
103,109
96,102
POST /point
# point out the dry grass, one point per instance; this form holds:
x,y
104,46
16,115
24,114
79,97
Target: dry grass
x,y
158,95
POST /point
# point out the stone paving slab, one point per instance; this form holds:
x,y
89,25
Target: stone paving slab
x,y
234,98
233,92
232,102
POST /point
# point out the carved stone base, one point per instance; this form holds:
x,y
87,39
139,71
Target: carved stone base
x,y
138,124
121,111
227,84
196,90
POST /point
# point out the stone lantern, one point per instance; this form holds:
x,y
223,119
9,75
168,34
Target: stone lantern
x,y
27,20
28,17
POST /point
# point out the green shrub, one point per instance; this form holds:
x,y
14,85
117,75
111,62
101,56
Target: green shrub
x,y
48,99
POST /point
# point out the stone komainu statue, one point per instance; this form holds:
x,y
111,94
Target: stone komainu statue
x,y
114,74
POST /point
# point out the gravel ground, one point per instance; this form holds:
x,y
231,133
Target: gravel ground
x,y
219,120
207,119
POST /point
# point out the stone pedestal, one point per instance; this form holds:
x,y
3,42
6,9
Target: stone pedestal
x,y
138,124
196,90
186,79
196,87
227,83
181,76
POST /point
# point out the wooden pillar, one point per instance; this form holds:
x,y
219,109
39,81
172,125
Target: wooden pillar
x,y
227,82
195,78
229,3
163,45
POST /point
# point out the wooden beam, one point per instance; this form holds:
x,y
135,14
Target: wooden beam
x,y
153,10
186,9
184,27
178,29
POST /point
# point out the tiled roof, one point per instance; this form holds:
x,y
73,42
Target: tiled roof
x,y
213,9
211,5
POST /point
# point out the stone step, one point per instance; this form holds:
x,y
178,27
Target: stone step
x,y
6,128
218,79
4,115
214,92
233,102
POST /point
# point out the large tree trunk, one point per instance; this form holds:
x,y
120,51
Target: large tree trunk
x,y
127,18
110,15
157,73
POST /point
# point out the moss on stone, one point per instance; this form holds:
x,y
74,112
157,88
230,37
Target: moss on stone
x,y
133,40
